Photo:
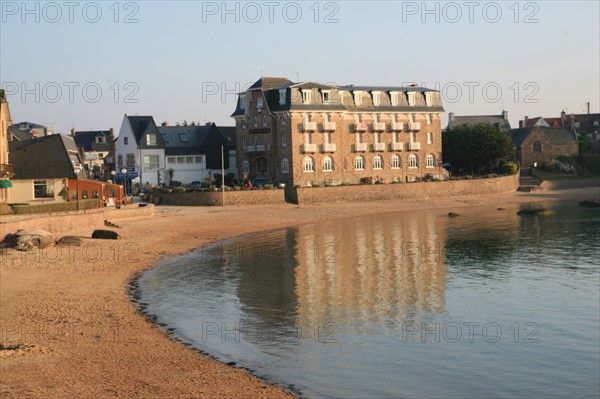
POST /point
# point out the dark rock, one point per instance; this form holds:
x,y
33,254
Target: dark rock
x,y
452,214
501,209
535,212
590,203
71,241
106,234
25,240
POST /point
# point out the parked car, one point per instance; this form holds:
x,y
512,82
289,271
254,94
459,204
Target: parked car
x,y
260,181
198,184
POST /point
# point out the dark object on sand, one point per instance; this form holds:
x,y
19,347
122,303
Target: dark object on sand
x,y
106,234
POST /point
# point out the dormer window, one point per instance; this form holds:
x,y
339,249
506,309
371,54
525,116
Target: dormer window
x,y
395,98
376,98
282,93
183,137
151,139
429,99
326,96
357,98
259,104
242,101
306,96
411,98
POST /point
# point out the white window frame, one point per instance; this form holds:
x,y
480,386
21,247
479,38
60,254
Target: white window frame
x,y
244,142
358,98
327,164
148,164
307,96
259,104
326,93
412,98
413,161
396,162
376,98
359,162
309,164
377,162
285,165
245,167
282,96
265,123
430,161
242,101
429,119
151,139
430,138
395,97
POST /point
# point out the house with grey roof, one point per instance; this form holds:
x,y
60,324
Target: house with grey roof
x,y
35,129
541,145
500,121
141,150
193,152
97,150
15,134
42,167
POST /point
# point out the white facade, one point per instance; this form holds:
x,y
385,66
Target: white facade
x,y
187,168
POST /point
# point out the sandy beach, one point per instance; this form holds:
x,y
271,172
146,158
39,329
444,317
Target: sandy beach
x,y
69,329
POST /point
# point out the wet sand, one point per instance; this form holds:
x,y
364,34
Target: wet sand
x,y
69,329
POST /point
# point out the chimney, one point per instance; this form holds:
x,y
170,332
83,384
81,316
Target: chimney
x,y
525,121
505,115
112,133
164,124
73,132
208,123
588,107
451,116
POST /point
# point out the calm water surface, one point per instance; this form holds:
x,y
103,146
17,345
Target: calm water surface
x,y
414,304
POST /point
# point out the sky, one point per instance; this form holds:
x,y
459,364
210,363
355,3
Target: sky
x,y
83,65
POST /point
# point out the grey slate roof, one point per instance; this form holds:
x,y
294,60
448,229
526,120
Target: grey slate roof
x,y
555,135
267,83
228,133
18,134
472,120
48,157
142,126
87,140
206,139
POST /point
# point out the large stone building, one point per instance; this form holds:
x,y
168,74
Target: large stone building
x,y
310,133
539,145
6,169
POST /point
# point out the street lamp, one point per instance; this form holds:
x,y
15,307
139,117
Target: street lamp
x,y
124,172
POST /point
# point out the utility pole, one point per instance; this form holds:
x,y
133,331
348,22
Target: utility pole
x,y
223,173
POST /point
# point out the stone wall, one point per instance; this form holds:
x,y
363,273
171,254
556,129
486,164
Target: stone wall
x,y
64,222
551,185
423,190
246,197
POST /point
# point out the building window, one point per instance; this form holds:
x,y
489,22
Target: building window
x,y
171,160
306,96
577,125
266,141
259,104
243,101
74,194
377,162
198,159
396,162
327,164
357,98
244,142
282,96
413,161
285,166
151,139
84,194
326,96
189,160
282,117
411,99
284,140
376,98
43,189
120,161
130,161
150,162
429,119
255,122
359,163
395,98
125,140
309,164
264,121
245,167
183,137
430,161
537,146
429,138
244,124
94,193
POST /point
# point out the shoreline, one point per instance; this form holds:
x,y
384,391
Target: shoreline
x,y
97,342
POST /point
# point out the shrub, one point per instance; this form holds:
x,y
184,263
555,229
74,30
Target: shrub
x,y
509,168
316,185
268,187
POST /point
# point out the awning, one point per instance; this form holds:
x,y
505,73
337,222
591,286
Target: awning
x,y
5,184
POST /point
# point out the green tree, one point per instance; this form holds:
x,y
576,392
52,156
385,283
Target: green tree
x,y
476,148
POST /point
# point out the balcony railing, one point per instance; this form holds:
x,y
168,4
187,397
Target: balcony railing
x,y
251,148
309,126
397,126
378,147
328,147
397,146
414,126
379,126
309,148
361,127
414,146
260,147
7,169
360,147
329,126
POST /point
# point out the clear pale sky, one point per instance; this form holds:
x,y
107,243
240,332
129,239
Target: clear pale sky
x,y
183,60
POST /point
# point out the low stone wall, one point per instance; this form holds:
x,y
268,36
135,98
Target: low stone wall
x,y
245,197
552,185
424,190
63,222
